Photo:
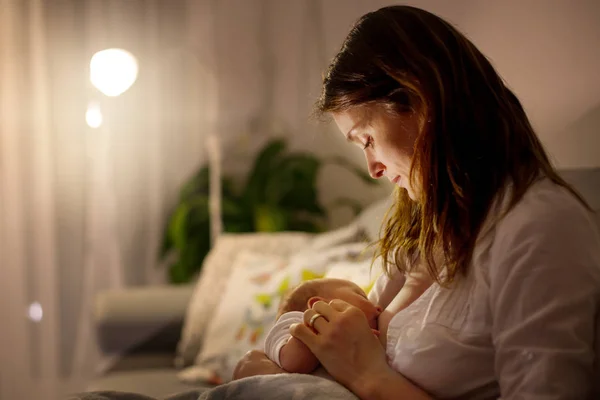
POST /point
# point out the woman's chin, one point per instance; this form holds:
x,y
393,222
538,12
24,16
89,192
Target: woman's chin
x,y
410,192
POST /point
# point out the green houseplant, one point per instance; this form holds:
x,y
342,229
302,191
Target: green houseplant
x,y
279,194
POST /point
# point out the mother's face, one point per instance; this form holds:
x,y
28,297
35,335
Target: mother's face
x,y
386,139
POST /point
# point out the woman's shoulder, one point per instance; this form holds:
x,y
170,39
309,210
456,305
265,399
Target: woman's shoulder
x,y
550,228
548,209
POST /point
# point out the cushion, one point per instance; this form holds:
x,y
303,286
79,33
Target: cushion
x,y
371,218
213,278
247,309
347,234
359,272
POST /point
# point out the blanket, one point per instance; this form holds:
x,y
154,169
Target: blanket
x,y
264,387
280,387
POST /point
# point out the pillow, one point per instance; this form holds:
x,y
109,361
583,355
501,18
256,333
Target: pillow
x,y
359,272
371,218
352,233
213,278
247,309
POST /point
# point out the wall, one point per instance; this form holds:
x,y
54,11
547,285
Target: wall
x,y
548,52
271,56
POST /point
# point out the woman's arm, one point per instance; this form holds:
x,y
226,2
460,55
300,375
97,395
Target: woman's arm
x,y
544,299
388,386
357,360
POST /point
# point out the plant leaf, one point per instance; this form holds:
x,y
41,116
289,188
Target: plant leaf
x,y
227,188
199,184
238,226
254,191
236,216
166,245
196,185
177,274
191,258
293,184
303,225
178,226
198,218
270,218
232,208
304,199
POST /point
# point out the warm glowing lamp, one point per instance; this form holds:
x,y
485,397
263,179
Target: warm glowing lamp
x,y
93,116
113,71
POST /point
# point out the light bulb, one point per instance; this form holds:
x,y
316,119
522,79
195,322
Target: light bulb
x,y
113,71
35,312
93,116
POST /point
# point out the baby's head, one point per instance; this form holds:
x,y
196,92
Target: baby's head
x,y
308,293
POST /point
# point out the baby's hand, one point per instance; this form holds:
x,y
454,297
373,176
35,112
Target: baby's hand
x,y
375,332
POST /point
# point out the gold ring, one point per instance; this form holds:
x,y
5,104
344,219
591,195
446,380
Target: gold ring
x,y
312,320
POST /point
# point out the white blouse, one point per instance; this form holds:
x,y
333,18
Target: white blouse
x,y
523,324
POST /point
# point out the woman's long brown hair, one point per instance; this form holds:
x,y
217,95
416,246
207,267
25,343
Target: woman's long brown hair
x,y
474,139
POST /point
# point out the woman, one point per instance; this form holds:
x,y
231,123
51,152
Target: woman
x,y
513,310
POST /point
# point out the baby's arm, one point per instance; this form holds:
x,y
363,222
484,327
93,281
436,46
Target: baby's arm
x,y
296,357
286,351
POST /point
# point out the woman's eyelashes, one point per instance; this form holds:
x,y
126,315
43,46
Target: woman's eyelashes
x,y
368,142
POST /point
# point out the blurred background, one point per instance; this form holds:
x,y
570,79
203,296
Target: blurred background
x,y
93,177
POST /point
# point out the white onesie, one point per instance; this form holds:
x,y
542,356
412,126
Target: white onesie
x,y
279,335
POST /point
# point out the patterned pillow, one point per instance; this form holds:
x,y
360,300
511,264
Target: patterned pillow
x,y
213,278
249,305
247,309
359,272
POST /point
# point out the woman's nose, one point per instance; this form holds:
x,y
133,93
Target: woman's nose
x,y
376,168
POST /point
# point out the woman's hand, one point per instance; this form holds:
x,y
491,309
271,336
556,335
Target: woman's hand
x,y
344,344
255,362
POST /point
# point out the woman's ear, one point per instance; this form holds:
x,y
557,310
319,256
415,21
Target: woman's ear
x,y
311,302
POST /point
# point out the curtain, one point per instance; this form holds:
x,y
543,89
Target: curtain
x,y
82,210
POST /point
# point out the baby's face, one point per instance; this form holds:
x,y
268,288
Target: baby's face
x,y
354,295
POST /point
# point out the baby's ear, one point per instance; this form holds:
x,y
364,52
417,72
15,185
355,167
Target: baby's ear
x,y
311,302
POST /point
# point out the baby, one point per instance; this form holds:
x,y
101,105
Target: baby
x,y
293,356
290,353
